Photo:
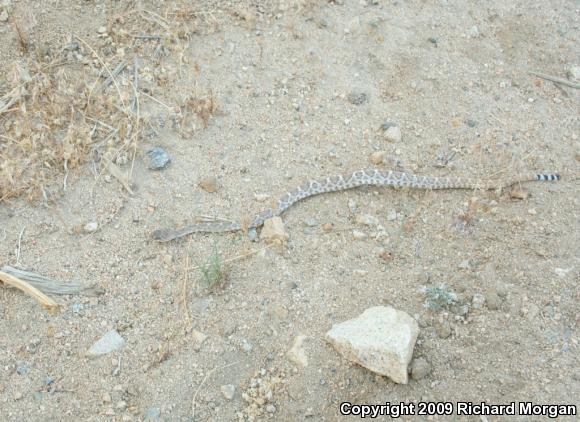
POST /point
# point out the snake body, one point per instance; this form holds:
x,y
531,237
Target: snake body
x,y
367,177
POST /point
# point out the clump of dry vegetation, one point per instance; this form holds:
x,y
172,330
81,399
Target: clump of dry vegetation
x,y
63,106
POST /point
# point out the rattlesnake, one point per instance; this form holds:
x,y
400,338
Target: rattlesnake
x,y
368,177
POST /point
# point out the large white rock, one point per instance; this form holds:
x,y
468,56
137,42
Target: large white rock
x,y
380,339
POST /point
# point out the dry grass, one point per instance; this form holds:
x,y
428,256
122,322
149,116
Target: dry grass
x,y
51,120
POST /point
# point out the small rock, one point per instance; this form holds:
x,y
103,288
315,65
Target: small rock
x,y
478,301
378,157
473,32
392,215
420,368
4,16
519,192
312,222
327,227
102,30
464,265
493,301
387,125
359,235
380,339
274,231
228,391
385,254
158,158
22,368
432,40
106,397
367,220
110,342
297,354
393,134
32,347
261,197
357,98
253,234
153,413
91,227
471,123
532,211
246,345
270,408
209,184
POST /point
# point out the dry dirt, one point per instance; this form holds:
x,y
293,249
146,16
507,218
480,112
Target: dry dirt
x,y
262,96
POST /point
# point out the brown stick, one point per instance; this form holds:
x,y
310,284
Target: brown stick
x,y
44,300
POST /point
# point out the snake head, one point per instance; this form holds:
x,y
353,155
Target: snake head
x,y
160,235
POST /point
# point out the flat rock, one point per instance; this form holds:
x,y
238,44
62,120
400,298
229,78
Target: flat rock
x,y
110,342
297,354
380,339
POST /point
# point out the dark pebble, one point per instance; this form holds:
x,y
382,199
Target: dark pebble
x,y
158,158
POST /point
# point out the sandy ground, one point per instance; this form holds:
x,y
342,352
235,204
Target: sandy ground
x,y
303,92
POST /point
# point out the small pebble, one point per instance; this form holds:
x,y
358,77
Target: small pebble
x,y
478,301
393,134
433,40
228,391
532,211
158,158
471,123
420,368
357,98
153,413
327,227
312,222
22,368
4,16
32,347
473,32
91,227
378,157
271,408
209,184
392,215
464,265
519,192
359,235
253,234
387,125
385,255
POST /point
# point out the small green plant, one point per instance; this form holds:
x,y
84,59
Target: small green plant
x,y
213,271
439,297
